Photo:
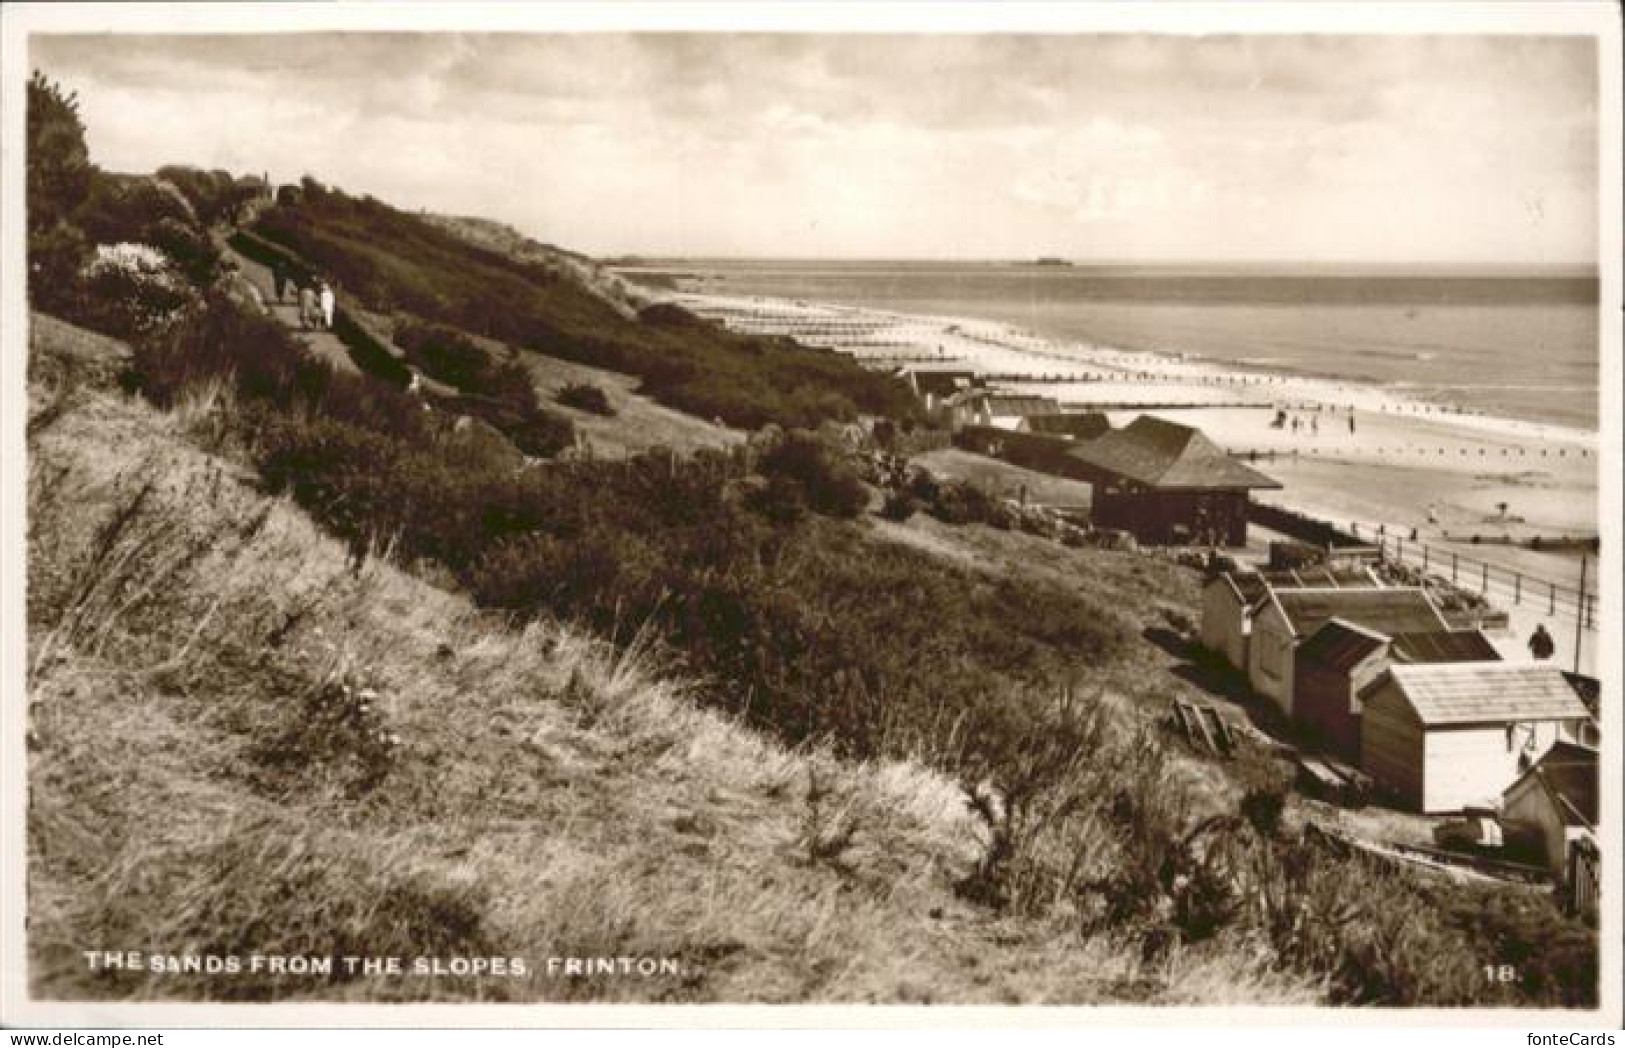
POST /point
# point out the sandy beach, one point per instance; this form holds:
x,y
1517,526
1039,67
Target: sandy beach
x,y
1364,456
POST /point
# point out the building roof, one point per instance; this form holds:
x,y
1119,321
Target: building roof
x,y
941,383
1342,645
1019,404
1164,454
1085,425
1252,588
1387,610
1320,576
1486,693
1445,646
1569,773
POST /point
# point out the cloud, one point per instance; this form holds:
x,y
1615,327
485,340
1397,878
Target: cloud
x,y
773,144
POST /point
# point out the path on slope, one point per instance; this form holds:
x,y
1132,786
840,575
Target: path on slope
x,y
323,344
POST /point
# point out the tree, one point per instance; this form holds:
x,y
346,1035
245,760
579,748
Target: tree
x,y
59,175
58,161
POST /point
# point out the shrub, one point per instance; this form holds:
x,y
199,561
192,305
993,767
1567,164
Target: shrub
x,y
443,353
585,397
802,468
122,208
133,292
899,506
961,502
369,354
191,252
58,162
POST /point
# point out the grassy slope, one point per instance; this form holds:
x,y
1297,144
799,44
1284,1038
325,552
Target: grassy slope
x,y
1004,479
545,797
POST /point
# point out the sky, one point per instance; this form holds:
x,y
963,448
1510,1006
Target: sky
x,y
1087,146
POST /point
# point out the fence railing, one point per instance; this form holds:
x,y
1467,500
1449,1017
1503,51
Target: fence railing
x,y
1494,582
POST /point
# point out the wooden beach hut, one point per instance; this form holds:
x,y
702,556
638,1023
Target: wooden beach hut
x,y
1074,425
1555,801
1168,484
1291,616
1443,737
1335,667
935,387
1231,599
1006,410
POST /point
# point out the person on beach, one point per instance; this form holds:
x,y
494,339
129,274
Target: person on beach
x,y
1314,425
1351,422
1540,643
328,300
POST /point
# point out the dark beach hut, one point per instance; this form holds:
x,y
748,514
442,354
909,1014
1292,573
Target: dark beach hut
x,y
1168,484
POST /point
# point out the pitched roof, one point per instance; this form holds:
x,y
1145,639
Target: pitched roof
x,y
1164,454
1342,645
942,383
1569,773
1388,610
1085,425
1320,576
1445,646
1252,587
1019,404
1486,692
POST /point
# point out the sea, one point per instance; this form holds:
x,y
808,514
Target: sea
x,y
1513,342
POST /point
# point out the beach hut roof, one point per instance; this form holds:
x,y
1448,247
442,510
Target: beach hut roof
x,y
1569,773
1445,646
1486,693
1086,425
1019,404
1388,610
942,383
1342,645
1163,454
1252,588
1320,576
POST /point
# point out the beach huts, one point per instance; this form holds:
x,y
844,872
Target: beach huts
x,y
1555,801
1073,425
1168,484
1289,617
1443,737
935,387
1001,410
1341,661
1229,601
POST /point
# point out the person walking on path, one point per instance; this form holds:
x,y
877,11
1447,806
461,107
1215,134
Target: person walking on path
x,y
1351,423
328,302
307,307
279,280
1540,643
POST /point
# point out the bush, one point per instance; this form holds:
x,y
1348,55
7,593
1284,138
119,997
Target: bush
x,y
370,355
59,169
133,292
899,506
443,353
456,359
193,253
585,397
802,468
961,502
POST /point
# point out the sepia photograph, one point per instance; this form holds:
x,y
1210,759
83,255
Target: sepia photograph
x,y
1055,509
